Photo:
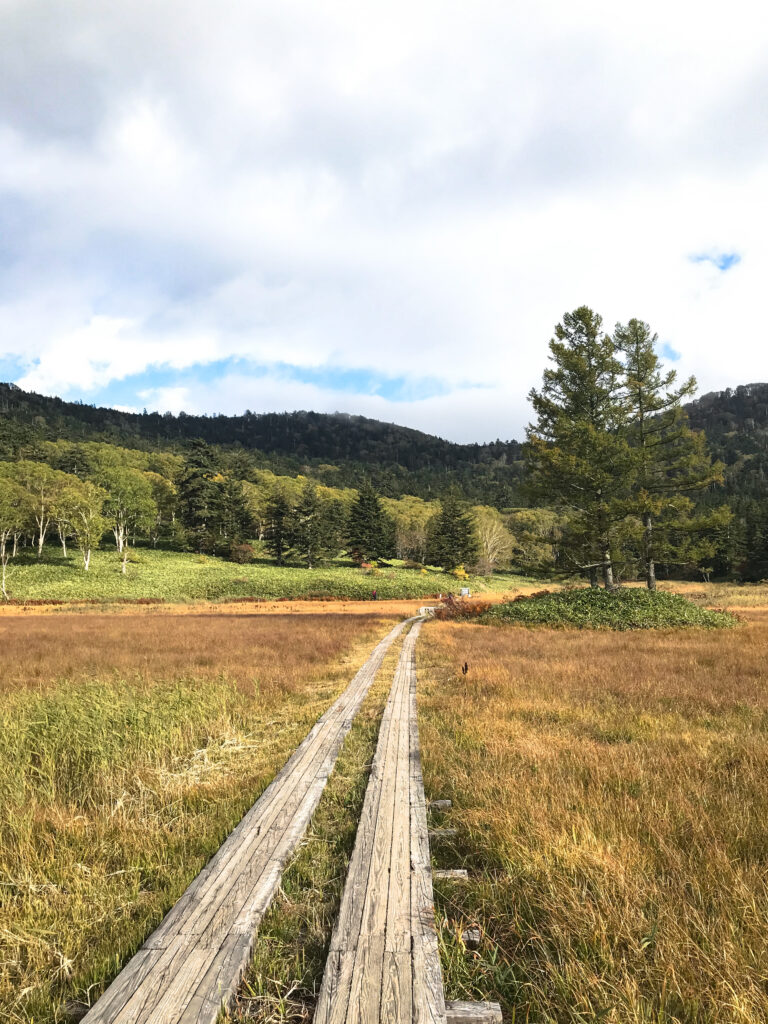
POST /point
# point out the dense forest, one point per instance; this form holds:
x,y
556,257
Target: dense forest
x,y
337,448
408,468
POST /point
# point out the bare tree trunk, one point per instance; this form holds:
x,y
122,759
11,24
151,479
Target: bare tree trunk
x,y
120,539
593,576
86,558
4,560
15,544
63,539
607,570
124,563
43,527
650,565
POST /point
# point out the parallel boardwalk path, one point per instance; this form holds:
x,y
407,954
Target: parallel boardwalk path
x,y
192,963
384,963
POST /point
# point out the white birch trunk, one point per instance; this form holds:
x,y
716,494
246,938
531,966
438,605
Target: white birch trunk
x,y
42,526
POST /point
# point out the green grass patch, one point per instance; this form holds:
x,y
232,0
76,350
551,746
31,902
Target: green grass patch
x,y
175,576
600,609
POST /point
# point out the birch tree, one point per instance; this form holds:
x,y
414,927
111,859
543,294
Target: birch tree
x,y
14,504
495,542
129,506
85,501
43,485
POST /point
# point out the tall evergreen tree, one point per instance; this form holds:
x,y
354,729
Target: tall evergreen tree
x,y
277,534
670,459
452,540
310,535
233,519
577,453
198,495
369,530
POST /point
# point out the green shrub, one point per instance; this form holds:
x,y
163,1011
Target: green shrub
x,y
600,609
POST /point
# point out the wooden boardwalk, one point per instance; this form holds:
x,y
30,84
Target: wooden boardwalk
x,y
192,963
384,963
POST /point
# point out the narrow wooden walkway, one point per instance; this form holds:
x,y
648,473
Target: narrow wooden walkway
x,y
384,964
191,965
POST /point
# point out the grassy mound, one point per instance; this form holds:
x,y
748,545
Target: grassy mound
x,y
599,609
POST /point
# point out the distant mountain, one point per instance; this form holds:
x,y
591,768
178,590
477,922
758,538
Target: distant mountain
x,y
736,424
338,447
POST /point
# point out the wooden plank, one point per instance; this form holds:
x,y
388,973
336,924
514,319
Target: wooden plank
x,y
461,1012
191,964
396,987
384,962
428,994
451,874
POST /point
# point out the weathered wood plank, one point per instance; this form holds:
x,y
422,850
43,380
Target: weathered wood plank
x,y
460,1012
191,964
451,874
384,963
428,994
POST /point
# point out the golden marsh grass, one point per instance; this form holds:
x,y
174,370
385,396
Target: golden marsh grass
x,y
611,793
129,747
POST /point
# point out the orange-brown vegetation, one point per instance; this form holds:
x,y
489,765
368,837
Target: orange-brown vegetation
x,y
281,651
129,746
611,793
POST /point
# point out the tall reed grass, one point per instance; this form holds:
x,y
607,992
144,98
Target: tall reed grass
x,y
116,789
611,799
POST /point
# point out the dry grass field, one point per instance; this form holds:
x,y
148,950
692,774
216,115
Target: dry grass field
x,y
129,747
611,794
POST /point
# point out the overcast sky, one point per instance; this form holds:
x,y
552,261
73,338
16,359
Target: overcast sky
x,y
380,208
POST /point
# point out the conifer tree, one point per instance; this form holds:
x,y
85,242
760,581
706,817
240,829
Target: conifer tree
x,y
278,525
452,540
369,530
577,453
670,459
232,516
198,495
309,534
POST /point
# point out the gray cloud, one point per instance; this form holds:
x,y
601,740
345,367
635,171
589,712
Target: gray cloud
x,y
416,189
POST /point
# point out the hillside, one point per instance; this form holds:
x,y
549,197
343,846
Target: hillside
x,y
736,424
338,447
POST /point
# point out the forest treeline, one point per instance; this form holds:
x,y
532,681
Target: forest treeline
x,y
313,470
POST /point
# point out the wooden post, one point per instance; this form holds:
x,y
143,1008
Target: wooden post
x,y
459,1011
440,805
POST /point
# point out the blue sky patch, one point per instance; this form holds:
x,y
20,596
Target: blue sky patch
x,y
670,353
722,260
130,390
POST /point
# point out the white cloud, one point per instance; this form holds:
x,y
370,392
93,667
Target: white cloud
x,y
416,189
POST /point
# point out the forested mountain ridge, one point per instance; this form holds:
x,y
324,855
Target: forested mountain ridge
x,y
337,446
736,424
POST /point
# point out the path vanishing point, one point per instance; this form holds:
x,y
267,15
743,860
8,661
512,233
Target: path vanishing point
x,y
384,962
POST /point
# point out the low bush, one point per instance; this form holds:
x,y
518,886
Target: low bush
x,y
241,553
458,609
600,609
